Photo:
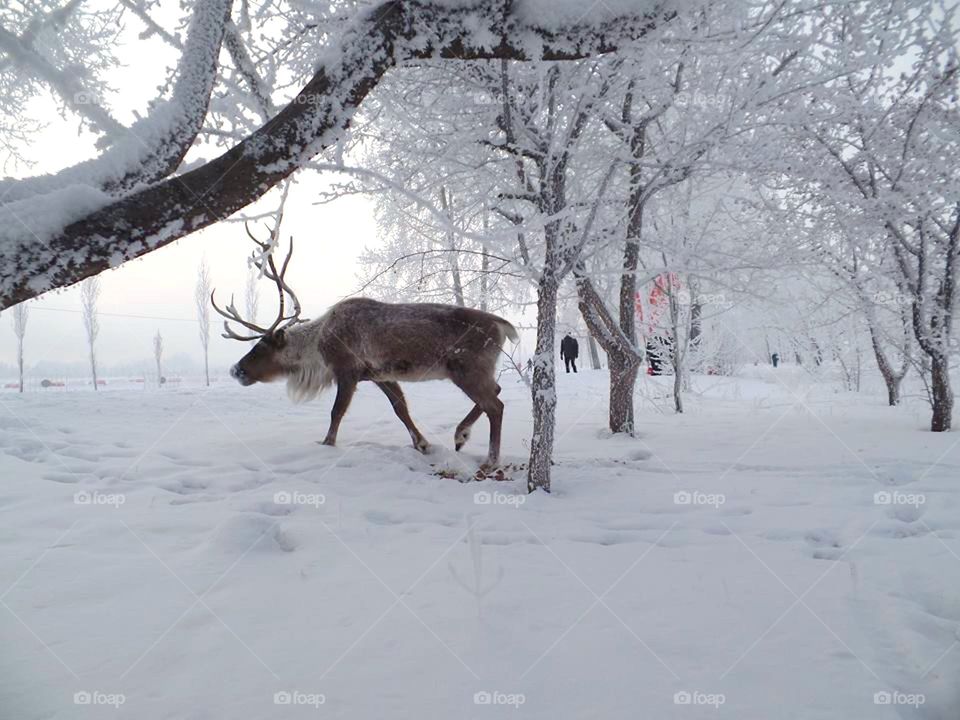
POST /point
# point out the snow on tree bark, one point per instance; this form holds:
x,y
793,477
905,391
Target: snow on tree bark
x,y
544,386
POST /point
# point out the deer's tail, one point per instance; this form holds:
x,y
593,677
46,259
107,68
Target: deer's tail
x,y
508,330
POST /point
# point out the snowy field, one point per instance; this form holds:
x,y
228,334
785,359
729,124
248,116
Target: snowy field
x,y
196,554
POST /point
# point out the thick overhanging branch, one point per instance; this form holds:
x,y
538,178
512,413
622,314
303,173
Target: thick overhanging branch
x,y
395,31
151,149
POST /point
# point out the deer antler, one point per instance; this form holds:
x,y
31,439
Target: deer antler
x,y
268,267
265,263
231,314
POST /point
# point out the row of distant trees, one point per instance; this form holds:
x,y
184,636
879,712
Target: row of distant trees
x,y
89,297
90,290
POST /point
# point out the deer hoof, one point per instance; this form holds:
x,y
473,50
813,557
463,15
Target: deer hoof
x,y
422,446
460,439
490,465
329,442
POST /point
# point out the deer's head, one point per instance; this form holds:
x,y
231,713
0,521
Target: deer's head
x,y
270,359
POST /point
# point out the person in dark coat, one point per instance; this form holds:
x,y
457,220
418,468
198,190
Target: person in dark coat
x,y
569,352
775,359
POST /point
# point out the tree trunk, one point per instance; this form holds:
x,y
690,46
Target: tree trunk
x,y
623,378
93,368
677,388
594,353
206,365
893,393
543,388
941,393
20,363
446,204
890,378
623,360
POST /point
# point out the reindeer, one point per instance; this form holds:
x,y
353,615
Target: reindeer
x,y
359,340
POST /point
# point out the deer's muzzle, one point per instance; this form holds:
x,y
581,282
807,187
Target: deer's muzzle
x,y
240,375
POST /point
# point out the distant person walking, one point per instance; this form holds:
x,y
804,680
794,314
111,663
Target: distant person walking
x,y
775,359
569,352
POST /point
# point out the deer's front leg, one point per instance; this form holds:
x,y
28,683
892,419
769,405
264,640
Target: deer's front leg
x,y
399,403
345,390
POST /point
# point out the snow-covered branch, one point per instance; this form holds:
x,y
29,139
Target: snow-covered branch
x,y
79,244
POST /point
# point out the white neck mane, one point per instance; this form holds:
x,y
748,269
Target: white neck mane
x,y
311,374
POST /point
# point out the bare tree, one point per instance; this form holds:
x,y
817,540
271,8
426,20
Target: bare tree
x,y
158,356
887,156
89,296
20,316
201,297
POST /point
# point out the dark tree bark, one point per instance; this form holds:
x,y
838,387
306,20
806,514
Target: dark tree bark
x,y
942,394
623,379
932,309
394,31
891,378
619,338
544,386
623,359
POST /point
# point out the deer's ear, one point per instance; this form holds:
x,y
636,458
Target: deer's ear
x,y
280,337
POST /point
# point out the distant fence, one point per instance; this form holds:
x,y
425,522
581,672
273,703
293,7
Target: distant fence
x,y
55,384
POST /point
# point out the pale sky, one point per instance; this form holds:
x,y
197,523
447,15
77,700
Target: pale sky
x,y
161,285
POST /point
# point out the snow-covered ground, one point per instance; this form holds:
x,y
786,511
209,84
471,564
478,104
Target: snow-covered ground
x,y
193,553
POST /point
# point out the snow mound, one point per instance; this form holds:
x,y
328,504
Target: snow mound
x,y
250,533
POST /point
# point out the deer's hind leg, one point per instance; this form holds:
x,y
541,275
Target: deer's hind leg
x,y
483,391
399,403
462,434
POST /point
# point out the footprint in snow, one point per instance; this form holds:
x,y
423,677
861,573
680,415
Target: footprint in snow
x,y
897,474
825,543
736,511
65,478
907,513
272,509
378,517
252,533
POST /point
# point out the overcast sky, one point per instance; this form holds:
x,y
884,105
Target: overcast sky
x,y
158,289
